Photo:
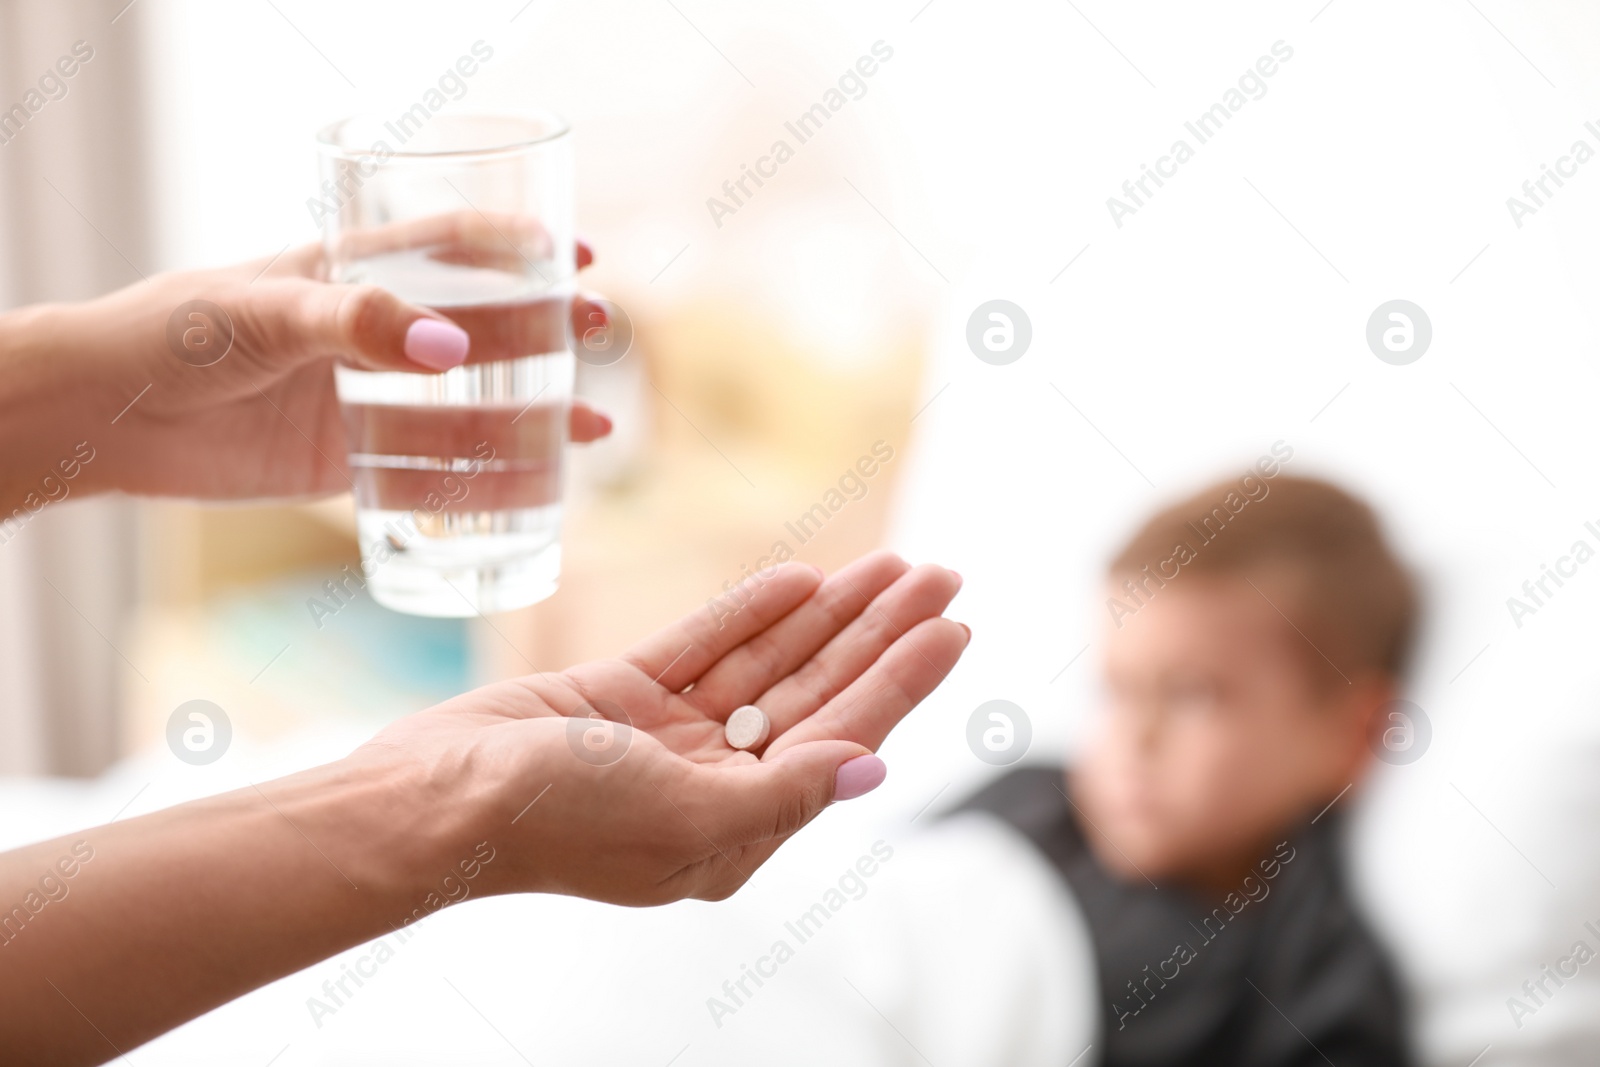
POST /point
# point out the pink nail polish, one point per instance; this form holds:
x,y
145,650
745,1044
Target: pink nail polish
x,y
436,345
858,776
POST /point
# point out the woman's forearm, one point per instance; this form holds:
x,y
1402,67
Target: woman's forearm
x,y
111,936
56,415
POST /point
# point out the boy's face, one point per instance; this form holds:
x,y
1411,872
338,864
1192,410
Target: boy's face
x,y
1215,737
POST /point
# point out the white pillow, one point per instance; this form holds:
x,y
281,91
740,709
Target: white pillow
x,y
1477,863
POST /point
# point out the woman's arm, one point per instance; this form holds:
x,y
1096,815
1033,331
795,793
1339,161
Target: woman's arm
x,y
611,781
55,413
111,936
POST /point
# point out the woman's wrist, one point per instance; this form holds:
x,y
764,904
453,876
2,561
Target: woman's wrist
x,y
56,415
415,831
368,815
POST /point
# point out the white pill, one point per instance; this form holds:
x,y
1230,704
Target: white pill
x,y
747,727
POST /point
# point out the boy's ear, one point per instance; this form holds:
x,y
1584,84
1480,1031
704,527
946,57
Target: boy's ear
x,y
1367,704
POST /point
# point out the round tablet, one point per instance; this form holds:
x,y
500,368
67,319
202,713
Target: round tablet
x,y
747,727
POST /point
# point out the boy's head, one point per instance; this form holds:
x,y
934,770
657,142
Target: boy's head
x,y
1255,632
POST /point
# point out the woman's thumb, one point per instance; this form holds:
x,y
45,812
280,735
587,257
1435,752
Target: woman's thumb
x,y
775,798
365,325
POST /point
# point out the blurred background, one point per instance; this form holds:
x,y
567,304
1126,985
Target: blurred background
x,y
772,351
778,343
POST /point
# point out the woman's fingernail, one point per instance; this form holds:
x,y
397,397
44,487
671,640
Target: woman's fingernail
x,y
968,630
959,580
606,425
857,776
437,345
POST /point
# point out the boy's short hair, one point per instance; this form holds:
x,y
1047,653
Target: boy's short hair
x,y
1351,595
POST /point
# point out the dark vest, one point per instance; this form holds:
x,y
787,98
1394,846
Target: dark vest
x,y
1282,972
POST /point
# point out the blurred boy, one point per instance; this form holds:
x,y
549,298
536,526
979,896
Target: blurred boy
x,y
1256,633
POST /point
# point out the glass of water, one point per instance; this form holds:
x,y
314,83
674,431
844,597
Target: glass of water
x,y
458,475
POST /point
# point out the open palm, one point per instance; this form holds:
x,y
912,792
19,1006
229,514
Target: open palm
x,y
834,663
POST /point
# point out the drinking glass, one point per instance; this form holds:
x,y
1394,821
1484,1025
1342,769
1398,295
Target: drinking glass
x,y
458,475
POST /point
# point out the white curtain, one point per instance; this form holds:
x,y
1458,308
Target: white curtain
x,y
73,216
